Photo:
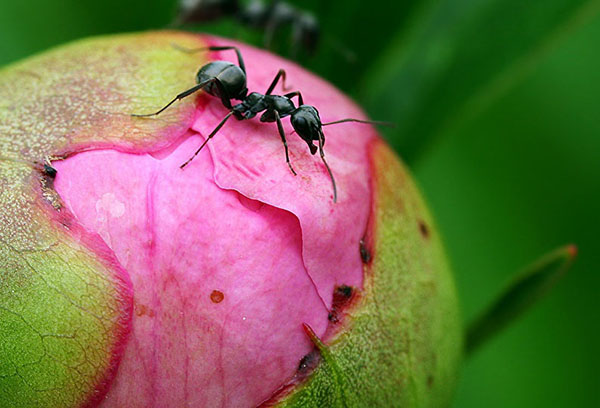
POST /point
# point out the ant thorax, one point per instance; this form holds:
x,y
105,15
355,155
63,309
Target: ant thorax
x,y
250,106
282,104
256,102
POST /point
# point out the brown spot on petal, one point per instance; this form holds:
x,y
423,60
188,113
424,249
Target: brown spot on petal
x,y
308,363
365,252
143,310
217,296
341,297
306,366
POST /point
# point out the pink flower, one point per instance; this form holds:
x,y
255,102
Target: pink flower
x,y
205,285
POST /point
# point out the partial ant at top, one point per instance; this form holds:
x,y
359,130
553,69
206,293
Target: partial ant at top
x,y
259,15
227,81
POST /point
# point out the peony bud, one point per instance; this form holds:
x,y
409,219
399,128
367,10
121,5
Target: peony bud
x,y
127,281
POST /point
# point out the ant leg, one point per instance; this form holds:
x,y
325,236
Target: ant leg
x,y
177,98
214,132
321,142
370,122
295,93
237,51
280,74
214,48
282,134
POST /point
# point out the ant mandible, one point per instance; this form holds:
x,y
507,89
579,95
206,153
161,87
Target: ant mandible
x,y
227,81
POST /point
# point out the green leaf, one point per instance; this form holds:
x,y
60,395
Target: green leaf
x,y
457,57
525,290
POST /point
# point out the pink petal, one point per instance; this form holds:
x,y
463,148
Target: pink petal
x,y
229,257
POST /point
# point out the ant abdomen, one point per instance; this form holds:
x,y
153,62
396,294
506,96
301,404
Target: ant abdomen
x,y
231,80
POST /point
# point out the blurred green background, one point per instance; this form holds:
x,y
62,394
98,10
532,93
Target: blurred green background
x,y
497,104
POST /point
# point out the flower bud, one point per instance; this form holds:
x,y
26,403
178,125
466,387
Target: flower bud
x,y
128,281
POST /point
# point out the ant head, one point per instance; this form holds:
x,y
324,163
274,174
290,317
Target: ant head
x,y
307,123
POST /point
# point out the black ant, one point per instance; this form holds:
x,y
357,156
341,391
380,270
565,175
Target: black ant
x,y
227,81
257,14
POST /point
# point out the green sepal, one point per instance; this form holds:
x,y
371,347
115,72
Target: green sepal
x,y
399,344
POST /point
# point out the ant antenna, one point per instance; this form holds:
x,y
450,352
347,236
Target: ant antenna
x,y
321,142
369,122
